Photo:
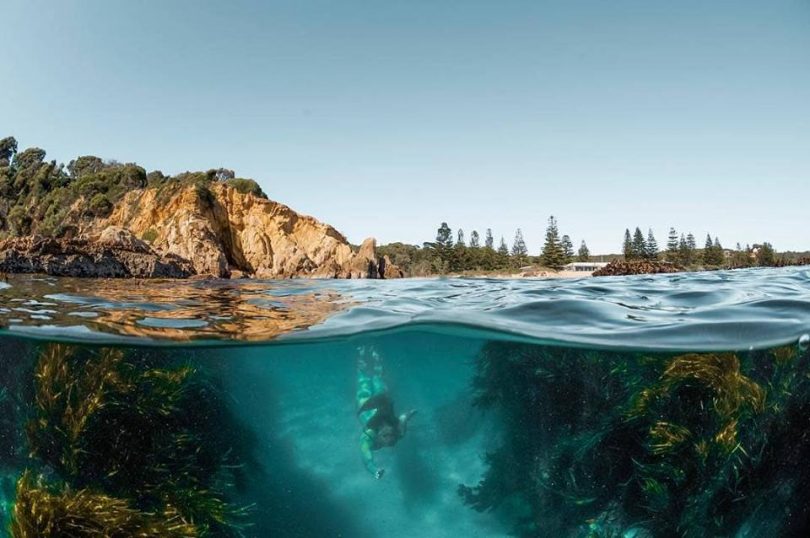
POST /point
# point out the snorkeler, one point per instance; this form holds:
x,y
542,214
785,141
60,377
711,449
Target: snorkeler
x,y
381,426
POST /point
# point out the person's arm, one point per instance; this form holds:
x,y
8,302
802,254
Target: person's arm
x,y
368,456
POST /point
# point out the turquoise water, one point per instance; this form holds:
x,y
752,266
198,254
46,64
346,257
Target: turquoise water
x,y
673,405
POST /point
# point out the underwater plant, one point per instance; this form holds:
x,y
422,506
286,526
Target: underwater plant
x,y
145,441
610,443
42,511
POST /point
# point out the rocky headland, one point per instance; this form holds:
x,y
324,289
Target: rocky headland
x,y
108,219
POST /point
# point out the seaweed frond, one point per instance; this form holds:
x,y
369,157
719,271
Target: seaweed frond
x,y
42,512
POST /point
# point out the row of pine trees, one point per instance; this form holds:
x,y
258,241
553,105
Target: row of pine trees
x,y
682,250
454,253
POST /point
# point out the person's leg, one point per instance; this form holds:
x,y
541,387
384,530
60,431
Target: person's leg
x,y
365,375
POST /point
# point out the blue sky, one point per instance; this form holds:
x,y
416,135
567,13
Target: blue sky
x,y
386,118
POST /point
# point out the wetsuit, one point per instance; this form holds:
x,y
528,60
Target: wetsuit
x,y
374,407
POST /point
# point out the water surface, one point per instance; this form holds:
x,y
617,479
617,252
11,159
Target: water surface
x,y
672,405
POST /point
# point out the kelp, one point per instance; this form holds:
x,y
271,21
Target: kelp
x,y
661,445
149,443
41,511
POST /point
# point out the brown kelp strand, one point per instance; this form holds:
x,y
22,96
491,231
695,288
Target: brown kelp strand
x,y
127,445
43,511
697,444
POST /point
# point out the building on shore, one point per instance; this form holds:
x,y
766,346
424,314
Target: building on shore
x,y
585,267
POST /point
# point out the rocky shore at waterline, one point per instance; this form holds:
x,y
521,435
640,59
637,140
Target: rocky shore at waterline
x,y
85,257
637,267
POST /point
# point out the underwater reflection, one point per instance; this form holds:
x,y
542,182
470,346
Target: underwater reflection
x,y
169,309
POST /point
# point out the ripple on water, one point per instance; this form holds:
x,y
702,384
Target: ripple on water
x,y
726,309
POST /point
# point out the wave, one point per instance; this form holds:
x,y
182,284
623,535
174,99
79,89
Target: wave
x,y
754,308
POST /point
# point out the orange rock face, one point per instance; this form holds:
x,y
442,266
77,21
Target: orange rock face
x,y
220,230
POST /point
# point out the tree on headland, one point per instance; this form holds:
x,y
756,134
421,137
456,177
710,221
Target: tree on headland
x,y
651,248
489,241
718,256
502,255
707,251
683,251
765,255
460,259
672,245
691,243
443,246
584,255
627,246
568,249
474,240
552,255
639,247
8,149
520,254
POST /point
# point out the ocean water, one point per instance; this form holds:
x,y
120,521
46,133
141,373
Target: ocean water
x,y
670,405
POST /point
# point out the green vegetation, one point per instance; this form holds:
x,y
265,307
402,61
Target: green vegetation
x,y
633,444
39,196
150,235
135,447
682,250
445,255
553,254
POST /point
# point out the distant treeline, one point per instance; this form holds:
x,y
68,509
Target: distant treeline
x,y
681,249
455,252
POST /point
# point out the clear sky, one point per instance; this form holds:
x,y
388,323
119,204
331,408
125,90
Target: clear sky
x,y
385,118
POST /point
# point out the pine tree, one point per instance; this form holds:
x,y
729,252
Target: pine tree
x,y
584,255
717,252
639,247
503,255
552,255
627,247
489,242
444,245
708,251
672,245
683,251
460,260
651,252
474,240
568,249
691,246
519,251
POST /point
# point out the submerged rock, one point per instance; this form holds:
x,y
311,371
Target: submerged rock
x,y
114,254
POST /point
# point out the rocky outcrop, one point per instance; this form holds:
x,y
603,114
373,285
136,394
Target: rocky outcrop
x,y
221,230
115,253
639,267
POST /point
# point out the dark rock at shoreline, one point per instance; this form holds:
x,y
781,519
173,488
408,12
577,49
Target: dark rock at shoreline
x,y
115,254
636,267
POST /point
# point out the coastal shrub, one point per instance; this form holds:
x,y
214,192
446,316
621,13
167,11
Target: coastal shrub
x,y
246,186
150,235
19,221
100,205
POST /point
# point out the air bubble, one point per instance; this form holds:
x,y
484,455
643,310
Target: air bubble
x,y
804,342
